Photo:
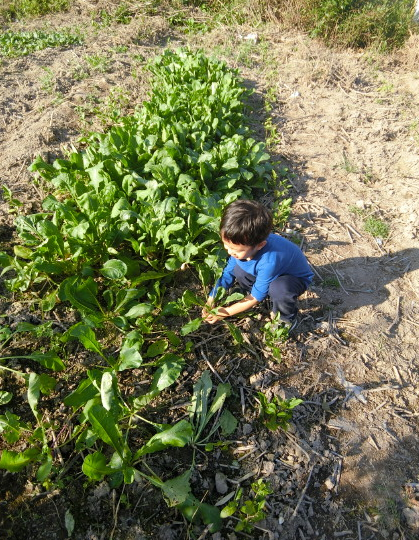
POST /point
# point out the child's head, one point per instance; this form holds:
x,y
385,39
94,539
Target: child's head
x,y
246,223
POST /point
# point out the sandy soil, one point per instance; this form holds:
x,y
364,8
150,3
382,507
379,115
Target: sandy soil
x,y
347,126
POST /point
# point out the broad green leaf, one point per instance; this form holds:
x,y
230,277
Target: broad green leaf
x,y
146,276
94,466
191,326
16,461
49,360
105,427
189,299
129,475
234,297
11,427
5,397
45,469
176,491
156,348
114,269
83,393
87,336
178,435
170,366
139,311
23,252
46,383
82,295
107,393
228,423
129,358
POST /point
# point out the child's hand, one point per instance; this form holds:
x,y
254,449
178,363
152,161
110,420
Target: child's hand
x,y
212,318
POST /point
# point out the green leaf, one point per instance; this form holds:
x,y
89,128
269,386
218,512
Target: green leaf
x,y
170,366
178,435
139,311
129,358
45,469
229,509
34,389
83,393
11,427
46,383
23,252
223,391
86,335
228,423
156,348
191,326
94,466
5,397
107,393
114,269
177,489
16,461
105,427
146,276
49,360
82,295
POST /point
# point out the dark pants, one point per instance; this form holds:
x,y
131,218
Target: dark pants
x,y
283,292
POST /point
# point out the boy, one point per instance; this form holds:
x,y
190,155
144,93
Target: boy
x,y
262,263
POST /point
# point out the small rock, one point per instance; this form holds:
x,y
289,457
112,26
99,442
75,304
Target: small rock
x,y
247,429
268,467
412,517
221,483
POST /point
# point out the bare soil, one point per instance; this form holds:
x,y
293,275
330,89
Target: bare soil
x,y
347,126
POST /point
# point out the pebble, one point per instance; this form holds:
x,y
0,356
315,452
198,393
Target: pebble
x,y
412,517
221,483
247,429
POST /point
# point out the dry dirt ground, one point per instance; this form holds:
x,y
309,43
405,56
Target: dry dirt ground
x,y
347,125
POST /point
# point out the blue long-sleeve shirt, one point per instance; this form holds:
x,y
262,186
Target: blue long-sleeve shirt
x,y
278,257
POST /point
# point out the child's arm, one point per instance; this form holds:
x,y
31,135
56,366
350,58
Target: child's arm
x,y
243,305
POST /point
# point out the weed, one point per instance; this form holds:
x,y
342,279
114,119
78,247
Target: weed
x,y
331,282
277,412
383,25
376,227
17,9
348,165
272,136
356,210
104,18
249,511
98,62
48,81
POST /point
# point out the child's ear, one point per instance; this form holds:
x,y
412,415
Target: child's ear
x,y
262,245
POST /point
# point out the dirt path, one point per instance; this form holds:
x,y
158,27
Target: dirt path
x,y
348,126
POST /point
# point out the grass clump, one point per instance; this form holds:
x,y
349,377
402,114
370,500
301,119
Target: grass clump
x,y
22,43
17,9
376,227
382,24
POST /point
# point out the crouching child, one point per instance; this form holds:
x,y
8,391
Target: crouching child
x,y
261,263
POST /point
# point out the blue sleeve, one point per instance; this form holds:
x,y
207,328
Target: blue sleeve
x,y
260,287
227,278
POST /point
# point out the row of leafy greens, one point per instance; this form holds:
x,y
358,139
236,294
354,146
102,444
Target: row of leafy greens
x,y
122,217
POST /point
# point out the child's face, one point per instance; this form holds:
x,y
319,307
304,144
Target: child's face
x,y
240,251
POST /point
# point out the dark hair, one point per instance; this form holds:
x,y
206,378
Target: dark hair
x,y
246,222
